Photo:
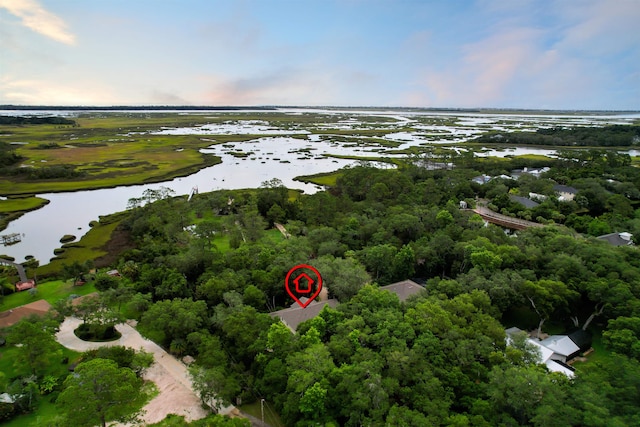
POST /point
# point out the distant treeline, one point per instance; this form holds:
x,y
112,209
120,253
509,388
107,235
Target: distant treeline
x,y
126,107
34,120
607,136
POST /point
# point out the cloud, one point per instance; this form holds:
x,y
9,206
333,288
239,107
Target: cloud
x,y
167,98
43,92
38,19
280,87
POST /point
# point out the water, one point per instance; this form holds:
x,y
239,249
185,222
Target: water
x,y
71,213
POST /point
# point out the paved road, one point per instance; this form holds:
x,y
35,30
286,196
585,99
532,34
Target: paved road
x,y
170,375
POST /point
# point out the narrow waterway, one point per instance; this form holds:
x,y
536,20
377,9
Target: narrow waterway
x,y
276,155
71,213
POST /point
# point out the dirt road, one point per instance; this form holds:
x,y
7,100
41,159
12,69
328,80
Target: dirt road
x,y
169,374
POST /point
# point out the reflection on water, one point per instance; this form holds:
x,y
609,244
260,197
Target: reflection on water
x,y
71,213
276,157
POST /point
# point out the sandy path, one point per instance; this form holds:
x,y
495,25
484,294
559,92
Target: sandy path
x,y
170,375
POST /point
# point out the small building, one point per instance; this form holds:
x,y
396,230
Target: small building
x,y
562,346
113,273
294,315
555,362
517,173
565,193
23,286
618,239
537,197
583,339
10,317
403,289
481,179
527,203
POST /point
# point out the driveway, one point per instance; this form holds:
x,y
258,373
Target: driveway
x,y
169,374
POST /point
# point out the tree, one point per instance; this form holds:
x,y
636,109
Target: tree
x,y
342,277
74,271
546,297
215,386
100,391
34,343
167,320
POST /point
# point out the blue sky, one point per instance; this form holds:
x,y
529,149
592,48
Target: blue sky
x,y
543,54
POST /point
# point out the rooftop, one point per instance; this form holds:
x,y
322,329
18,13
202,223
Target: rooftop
x,y
618,239
10,317
403,289
560,344
527,203
294,315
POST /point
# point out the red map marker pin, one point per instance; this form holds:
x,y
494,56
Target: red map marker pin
x,y
303,284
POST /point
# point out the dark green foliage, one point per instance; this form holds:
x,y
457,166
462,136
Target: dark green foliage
x,y
440,357
35,120
606,136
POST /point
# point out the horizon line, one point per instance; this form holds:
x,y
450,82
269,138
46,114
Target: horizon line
x,y
160,107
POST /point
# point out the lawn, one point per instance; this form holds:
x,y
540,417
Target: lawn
x,y
600,353
46,410
50,291
326,179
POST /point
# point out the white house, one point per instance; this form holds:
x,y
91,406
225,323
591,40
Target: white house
x,y
554,361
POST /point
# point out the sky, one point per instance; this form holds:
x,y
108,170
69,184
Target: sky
x,y
538,54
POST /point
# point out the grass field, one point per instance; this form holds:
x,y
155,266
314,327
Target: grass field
x,y
51,291
46,410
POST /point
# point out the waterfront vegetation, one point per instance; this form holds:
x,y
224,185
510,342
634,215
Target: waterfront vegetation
x,y
12,208
201,277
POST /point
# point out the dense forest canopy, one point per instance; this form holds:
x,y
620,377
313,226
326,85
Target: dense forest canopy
x,y
205,273
606,136
438,359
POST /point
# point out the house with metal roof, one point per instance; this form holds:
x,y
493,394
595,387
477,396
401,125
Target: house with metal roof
x,y
562,346
555,362
527,203
618,239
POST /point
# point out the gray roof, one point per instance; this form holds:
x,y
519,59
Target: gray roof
x,y
565,189
617,239
403,289
527,203
561,344
294,315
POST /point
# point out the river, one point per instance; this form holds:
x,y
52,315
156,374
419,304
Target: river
x,y
271,156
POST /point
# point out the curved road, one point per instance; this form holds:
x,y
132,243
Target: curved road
x,y
170,375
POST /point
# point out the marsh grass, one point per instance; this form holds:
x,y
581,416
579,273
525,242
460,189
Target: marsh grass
x,y
13,208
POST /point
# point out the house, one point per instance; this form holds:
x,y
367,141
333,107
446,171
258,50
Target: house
x,y
562,346
294,315
583,339
403,289
527,203
6,398
537,197
618,239
517,173
565,193
10,317
481,179
23,286
554,361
